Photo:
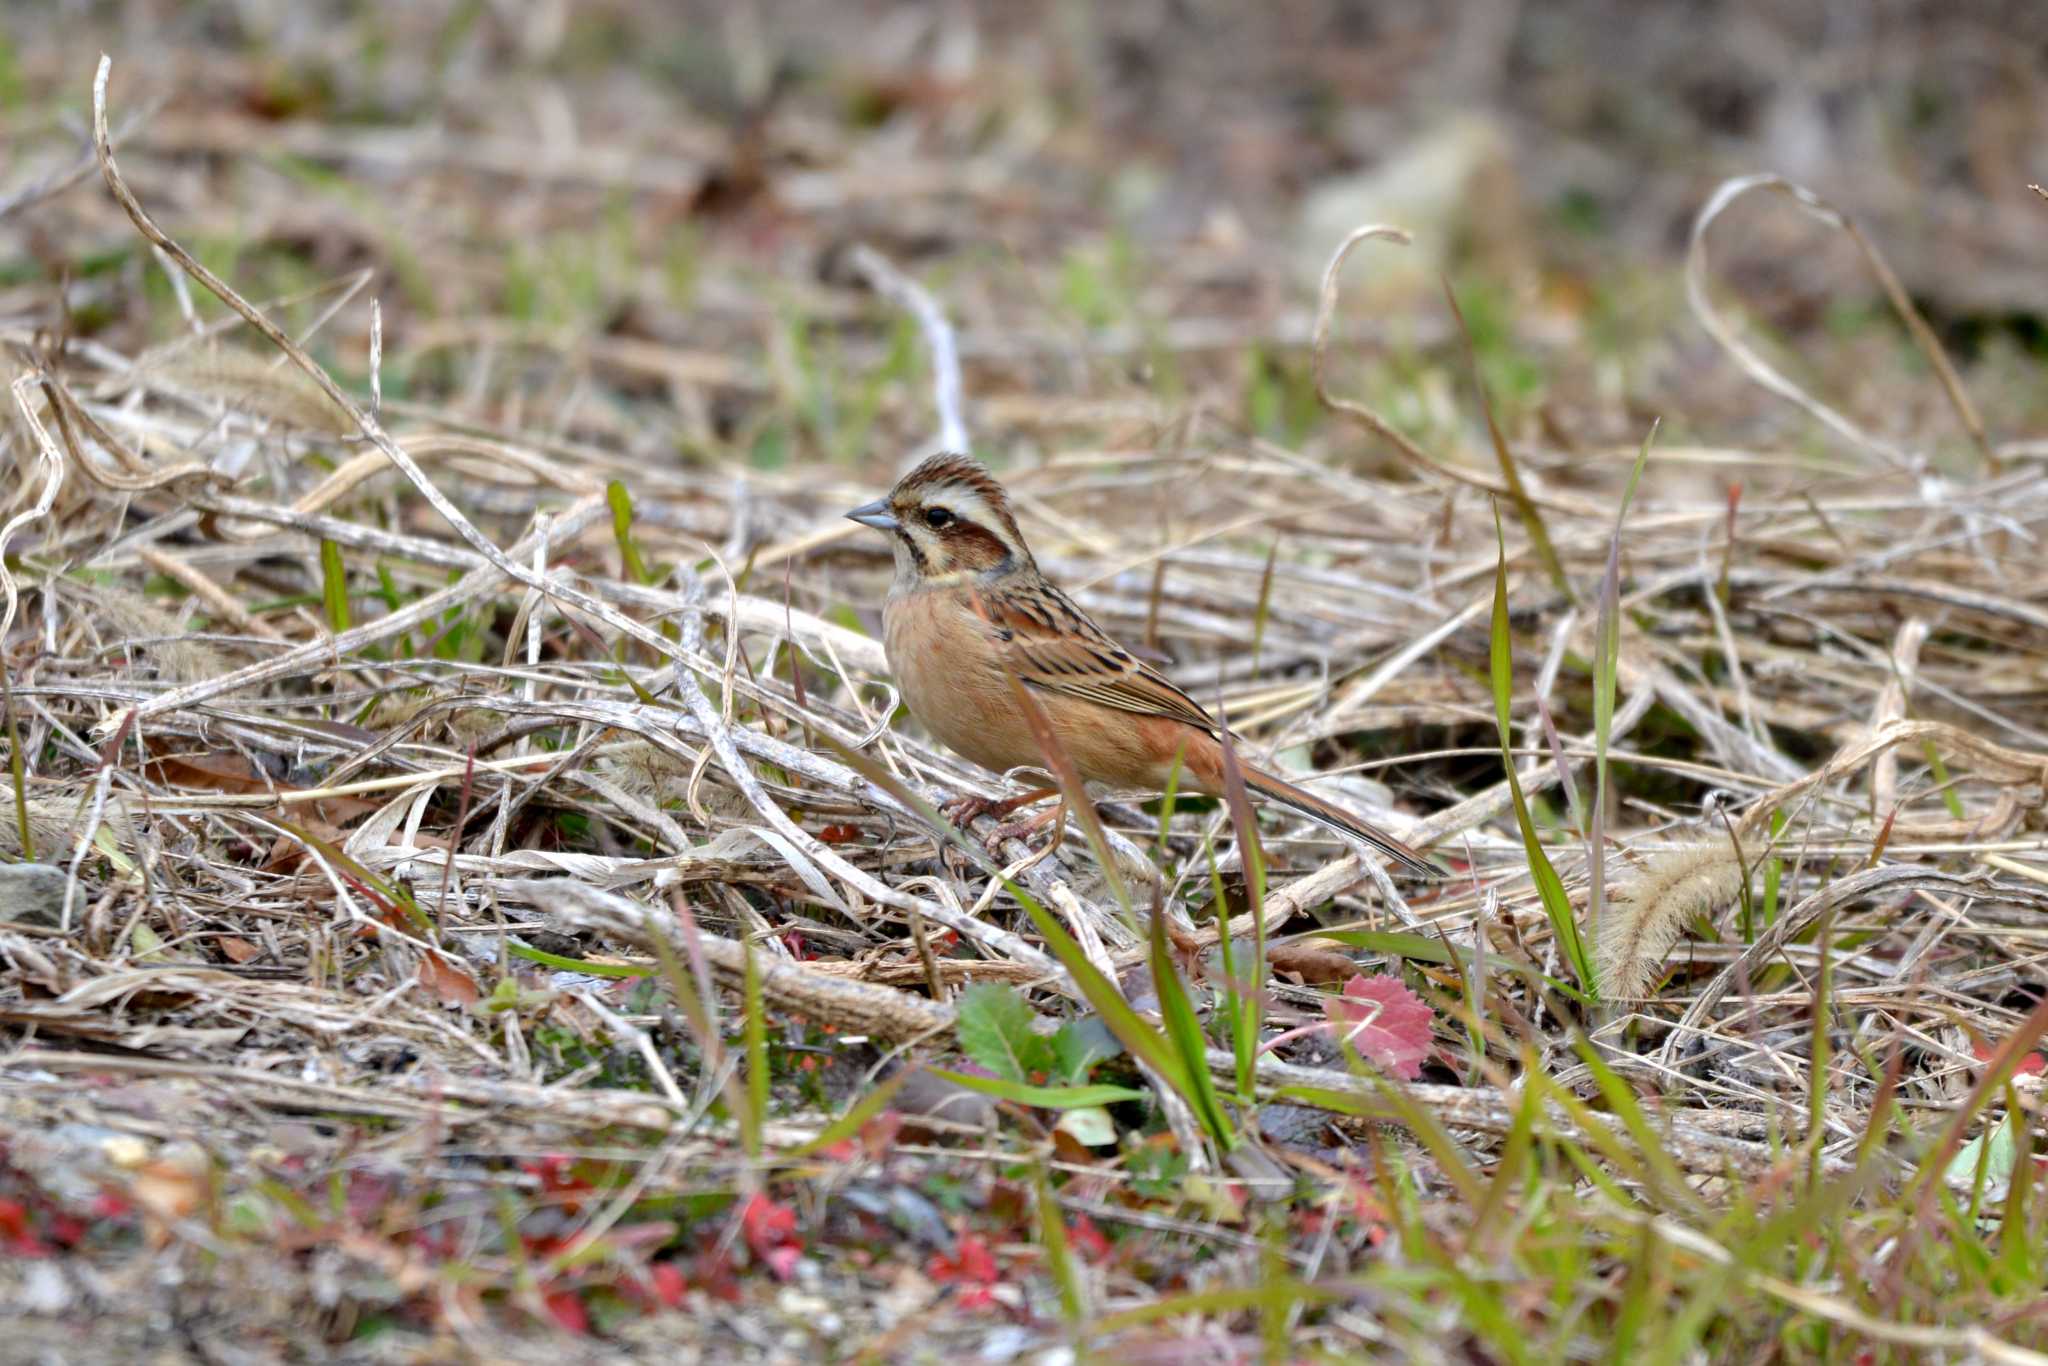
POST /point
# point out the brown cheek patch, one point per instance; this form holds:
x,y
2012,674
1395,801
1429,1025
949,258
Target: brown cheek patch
x,y
970,547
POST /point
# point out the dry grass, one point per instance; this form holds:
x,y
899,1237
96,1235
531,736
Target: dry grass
x,y
367,678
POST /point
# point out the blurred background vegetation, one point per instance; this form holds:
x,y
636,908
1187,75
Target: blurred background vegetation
x,y
647,204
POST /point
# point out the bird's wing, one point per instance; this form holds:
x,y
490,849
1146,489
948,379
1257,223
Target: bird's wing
x,y
1051,645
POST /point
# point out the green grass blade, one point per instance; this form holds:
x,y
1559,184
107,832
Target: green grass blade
x,y
1167,802
1184,1032
1606,667
1132,1030
17,767
1059,1258
1039,1097
1247,999
564,963
754,1119
334,586
1265,607
1549,887
621,503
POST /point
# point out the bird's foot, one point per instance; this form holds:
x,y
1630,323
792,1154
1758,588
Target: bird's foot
x,y
1056,817
964,811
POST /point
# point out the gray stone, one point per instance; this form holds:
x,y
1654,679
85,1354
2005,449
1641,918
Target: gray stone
x,y
33,894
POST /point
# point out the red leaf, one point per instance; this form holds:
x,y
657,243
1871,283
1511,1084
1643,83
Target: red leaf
x,y
2027,1066
972,1268
972,1264
766,1223
1083,1234
556,1173
770,1231
1387,1023
667,1282
559,1179
714,1275
565,1307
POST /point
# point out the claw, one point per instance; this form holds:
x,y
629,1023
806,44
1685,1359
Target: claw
x,y
1031,825
963,811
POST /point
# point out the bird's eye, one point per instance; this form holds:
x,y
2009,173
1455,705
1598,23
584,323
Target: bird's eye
x,y
938,517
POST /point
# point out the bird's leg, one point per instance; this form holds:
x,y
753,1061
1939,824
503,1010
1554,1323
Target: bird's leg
x,y
963,811
1056,818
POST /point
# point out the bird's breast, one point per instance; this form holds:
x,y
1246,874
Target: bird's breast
x,y
952,680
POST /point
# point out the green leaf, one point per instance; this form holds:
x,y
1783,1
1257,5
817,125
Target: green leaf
x,y
1131,1029
1040,1097
145,945
995,1029
1079,1045
1136,1033
1088,1125
334,586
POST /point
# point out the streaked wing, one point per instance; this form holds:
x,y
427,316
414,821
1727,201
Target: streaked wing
x,y
1051,645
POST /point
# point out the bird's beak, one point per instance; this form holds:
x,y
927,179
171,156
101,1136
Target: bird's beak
x,y
875,514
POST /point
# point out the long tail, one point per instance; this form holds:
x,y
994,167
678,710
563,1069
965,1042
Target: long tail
x,y
1337,818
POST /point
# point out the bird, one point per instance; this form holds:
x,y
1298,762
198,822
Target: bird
x,y
970,617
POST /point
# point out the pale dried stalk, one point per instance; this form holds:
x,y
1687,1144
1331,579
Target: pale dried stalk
x,y
915,299
1887,880
848,1006
1766,375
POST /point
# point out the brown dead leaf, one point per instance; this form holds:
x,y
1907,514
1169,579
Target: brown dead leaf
x,y
238,950
214,770
450,982
1313,965
169,1187
287,852
344,810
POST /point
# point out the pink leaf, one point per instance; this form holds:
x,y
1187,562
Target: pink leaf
x,y
1387,1023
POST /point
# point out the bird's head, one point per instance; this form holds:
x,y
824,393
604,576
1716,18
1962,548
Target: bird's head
x,y
949,518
